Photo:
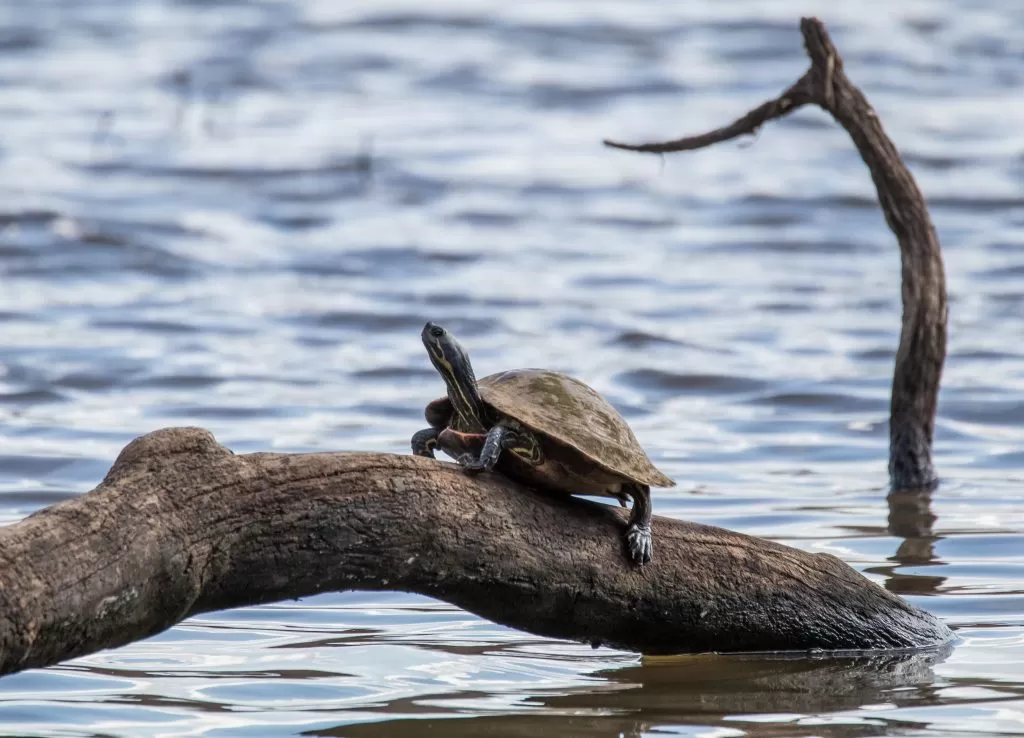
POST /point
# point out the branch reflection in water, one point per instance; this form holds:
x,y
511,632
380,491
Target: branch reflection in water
x,y
911,518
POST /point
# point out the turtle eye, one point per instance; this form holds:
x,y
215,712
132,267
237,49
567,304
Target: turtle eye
x,y
437,331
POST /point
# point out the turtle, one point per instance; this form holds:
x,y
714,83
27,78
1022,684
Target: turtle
x,y
542,428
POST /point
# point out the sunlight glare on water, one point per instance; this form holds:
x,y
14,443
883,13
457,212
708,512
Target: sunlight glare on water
x,y
240,214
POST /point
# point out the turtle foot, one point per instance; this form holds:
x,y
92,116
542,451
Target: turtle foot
x,y
640,543
424,442
470,464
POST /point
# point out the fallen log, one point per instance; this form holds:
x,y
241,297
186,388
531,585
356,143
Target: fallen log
x,y
182,526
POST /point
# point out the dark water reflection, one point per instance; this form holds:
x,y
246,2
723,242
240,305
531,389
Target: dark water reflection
x,y
239,215
911,518
763,694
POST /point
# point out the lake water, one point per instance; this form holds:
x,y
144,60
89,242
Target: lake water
x,y
240,214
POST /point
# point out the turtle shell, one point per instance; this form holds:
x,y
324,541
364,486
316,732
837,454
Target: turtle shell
x,y
571,413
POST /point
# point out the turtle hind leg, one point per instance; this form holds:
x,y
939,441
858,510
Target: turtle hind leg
x,y
639,540
424,442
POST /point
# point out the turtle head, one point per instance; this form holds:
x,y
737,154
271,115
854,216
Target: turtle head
x,y
452,363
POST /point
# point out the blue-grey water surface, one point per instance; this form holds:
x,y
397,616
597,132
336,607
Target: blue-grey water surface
x,y
239,215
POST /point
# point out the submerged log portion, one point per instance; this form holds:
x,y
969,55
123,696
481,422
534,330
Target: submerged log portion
x,y
181,526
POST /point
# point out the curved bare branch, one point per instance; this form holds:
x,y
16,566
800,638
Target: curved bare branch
x,y
922,348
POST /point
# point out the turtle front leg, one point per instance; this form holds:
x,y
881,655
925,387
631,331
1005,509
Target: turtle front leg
x,y
424,442
503,437
638,531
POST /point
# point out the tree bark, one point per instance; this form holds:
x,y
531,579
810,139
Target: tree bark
x,y
922,347
181,526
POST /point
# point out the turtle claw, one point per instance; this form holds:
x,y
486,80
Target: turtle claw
x,y
640,543
470,464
